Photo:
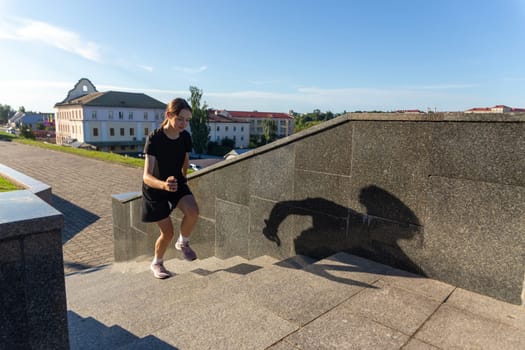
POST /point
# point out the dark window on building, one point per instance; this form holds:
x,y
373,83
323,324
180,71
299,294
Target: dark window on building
x,y
121,131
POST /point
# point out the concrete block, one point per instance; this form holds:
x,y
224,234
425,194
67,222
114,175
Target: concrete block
x,y
272,174
478,228
232,229
233,182
318,235
389,173
329,151
488,152
320,192
271,229
204,190
385,241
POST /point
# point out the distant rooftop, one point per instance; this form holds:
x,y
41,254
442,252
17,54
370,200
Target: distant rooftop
x,y
495,109
115,99
84,93
251,115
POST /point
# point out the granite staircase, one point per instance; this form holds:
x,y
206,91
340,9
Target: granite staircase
x,y
342,302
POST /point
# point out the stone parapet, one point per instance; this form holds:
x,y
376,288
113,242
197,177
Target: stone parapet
x,y
437,194
36,187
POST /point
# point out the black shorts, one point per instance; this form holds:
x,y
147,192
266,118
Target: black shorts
x,y
156,210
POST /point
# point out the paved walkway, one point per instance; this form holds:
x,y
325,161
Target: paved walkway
x,y
82,190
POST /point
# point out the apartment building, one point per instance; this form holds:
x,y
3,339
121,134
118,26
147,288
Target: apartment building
x,y
113,121
284,121
222,127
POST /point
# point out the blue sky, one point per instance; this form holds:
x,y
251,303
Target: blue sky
x,y
269,55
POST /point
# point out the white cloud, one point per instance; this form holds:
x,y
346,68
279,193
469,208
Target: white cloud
x,y
191,70
265,82
37,31
147,68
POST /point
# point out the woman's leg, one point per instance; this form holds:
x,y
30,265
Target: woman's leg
x,y
165,238
190,209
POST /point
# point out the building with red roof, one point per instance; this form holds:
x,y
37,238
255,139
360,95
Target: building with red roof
x,y
284,121
495,109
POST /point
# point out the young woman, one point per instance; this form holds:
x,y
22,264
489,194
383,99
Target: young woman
x,y
164,185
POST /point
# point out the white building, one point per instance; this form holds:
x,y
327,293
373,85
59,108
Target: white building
x,y
112,121
223,127
284,122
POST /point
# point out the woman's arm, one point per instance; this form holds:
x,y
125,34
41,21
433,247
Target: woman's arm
x,y
186,165
152,181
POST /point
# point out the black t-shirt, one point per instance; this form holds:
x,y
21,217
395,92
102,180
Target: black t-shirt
x,y
170,155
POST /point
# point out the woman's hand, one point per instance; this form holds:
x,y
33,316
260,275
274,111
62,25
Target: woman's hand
x,y
171,184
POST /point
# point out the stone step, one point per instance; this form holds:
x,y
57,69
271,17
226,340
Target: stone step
x,y
233,303
118,298
108,276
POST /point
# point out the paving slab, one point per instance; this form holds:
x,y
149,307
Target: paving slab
x,y
296,295
484,306
430,288
394,307
340,329
243,325
283,345
450,327
414,344
135,296
164,306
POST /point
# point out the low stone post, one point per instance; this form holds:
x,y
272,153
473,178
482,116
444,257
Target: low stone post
x,y
32,290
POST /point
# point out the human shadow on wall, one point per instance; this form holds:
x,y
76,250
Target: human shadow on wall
x,y
374,234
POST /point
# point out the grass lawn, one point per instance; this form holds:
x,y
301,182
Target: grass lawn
x,y
105,156
6,185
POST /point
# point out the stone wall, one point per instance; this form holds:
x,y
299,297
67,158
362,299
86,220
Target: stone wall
x,y
32,294
442,195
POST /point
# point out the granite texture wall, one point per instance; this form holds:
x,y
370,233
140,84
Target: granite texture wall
x,y
32,294
441,195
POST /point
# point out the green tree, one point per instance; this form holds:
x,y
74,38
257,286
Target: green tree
x,y
5,111
199,121
25,131
22,109
269,130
